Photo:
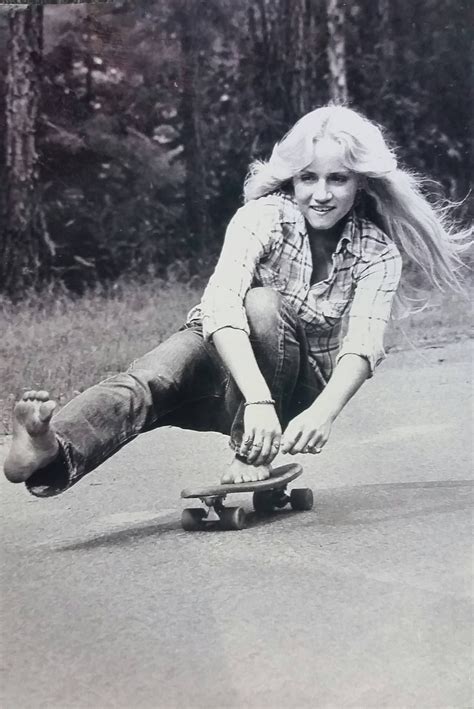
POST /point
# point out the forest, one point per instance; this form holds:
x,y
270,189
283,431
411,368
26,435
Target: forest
x,y
127,128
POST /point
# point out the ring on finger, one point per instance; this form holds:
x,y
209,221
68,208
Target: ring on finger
x,y
257,445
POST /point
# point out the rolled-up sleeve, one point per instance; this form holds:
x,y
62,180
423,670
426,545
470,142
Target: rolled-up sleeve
x,y
376,285
252,233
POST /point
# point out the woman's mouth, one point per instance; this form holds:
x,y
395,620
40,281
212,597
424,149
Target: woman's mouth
x,y
322,210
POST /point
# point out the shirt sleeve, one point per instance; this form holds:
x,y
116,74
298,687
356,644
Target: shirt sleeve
x,y
376,285
252,234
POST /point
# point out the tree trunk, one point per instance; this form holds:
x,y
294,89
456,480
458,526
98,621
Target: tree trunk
x,y
197,216
386,43
279,32
298,87
336,52
25,242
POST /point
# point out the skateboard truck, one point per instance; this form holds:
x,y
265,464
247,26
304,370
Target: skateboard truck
x,y
268,495
213,504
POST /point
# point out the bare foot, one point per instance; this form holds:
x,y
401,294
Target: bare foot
x,y
240,472
34,443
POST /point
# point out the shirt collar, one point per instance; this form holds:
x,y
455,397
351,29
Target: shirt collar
x,y
351,237
351,234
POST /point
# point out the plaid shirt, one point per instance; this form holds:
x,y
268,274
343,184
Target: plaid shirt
x,y
267,244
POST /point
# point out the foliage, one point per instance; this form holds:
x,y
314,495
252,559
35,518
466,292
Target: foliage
x,y
139,177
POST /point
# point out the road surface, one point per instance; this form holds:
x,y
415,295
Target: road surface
x,y
366,601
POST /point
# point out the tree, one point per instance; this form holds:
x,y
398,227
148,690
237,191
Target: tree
x,y
25,242
188,17
386,43
152,111
336,51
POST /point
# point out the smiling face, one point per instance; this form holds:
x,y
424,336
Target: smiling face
x,y
325,191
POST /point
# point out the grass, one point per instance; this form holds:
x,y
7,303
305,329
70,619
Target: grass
x,y
65,344
447,319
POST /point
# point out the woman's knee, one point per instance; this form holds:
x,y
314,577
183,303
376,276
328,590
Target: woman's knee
x,y
263,306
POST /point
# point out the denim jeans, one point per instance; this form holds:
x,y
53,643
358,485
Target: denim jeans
x,y
182,382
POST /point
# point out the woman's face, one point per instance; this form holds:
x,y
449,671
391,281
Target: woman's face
x,y
325,191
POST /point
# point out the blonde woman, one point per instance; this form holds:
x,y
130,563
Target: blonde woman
x,y
326,224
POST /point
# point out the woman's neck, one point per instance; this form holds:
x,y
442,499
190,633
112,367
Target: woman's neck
x,y
326,238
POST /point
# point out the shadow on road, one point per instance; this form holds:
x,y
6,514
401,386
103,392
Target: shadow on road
x,y
335,507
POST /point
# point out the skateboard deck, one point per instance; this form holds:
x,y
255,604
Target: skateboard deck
x,y
278,477
267,496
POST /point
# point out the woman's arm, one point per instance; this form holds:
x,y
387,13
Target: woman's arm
x,y
311,428
361,351
253,232
261,424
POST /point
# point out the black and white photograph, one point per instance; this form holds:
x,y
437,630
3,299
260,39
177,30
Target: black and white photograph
x,y
236,279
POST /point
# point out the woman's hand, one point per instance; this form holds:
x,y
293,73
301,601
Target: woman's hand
x,y
308,432
262,434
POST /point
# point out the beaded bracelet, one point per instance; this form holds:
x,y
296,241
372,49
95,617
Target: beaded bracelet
x,y
263,401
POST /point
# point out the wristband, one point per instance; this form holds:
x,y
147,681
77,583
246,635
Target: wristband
x,y
261,402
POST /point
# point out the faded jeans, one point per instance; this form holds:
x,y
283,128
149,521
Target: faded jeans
x,y
184,383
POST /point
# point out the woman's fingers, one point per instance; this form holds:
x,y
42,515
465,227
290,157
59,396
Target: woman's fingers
x,y
316,443
264,448
291,440
303,442
246,444
264,451
270,448
313,448
274,449
258,446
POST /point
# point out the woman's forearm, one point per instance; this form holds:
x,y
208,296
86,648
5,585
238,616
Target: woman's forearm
x,y
236,352
310,430
348,376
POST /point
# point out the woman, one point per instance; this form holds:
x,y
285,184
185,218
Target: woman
x,y
322,233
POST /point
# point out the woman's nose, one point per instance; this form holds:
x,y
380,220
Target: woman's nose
x,y
321,192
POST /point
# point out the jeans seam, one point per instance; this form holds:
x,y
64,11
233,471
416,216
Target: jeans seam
x,y
130,436
281,356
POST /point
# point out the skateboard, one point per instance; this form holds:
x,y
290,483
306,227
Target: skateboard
x,y
267,496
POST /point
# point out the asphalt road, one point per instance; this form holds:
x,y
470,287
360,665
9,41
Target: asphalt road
x,y
366,601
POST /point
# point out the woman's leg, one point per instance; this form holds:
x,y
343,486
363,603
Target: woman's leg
x,y
168,385
280,347
183,383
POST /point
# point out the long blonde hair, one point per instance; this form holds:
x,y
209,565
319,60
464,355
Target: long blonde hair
x,y
422,228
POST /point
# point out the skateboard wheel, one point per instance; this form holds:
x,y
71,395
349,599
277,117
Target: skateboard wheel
x,y
232,518
263,502
301,499
191,518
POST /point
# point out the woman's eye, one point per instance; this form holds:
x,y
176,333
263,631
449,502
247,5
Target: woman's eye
x,y
340,179
307,178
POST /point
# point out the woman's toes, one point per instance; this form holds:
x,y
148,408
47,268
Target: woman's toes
x,y
42,395
46,410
